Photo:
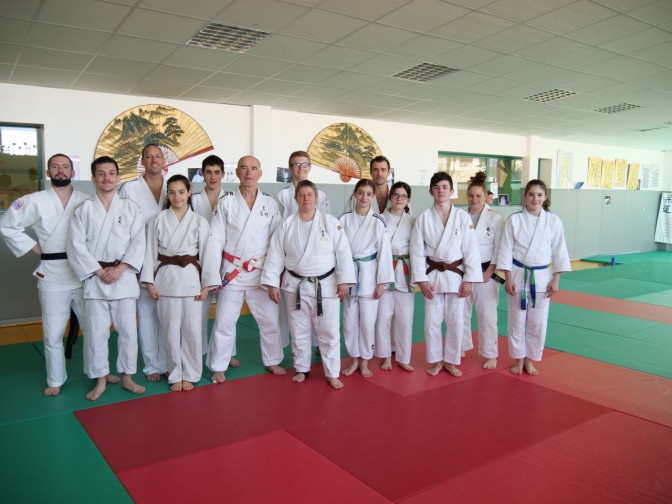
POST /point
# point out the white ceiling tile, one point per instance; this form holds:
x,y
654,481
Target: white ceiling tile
x,y
423,15
535,73
43,76
104,83
231,81
323,26
638,41
472,27
608,30
347,109
48,58
395,102
201,57
155,88
494,85
376,38
522,10
65,38
514,39
160,26
523,90
320,92
306,73
424,48
359,97
624,68
5,72
253,98
25,9
350,80
168,73
384,66
265,15
370,9
257,66
430,107
502,65
286,47
466,57
279,87
124,47
338,57
106,65
202,9
572,17
460,80
584,59
593,84
9,53
655,13
660,82
551,49
209,94
660,54
629,93
89,14
397,115
294,103
391,85
13,31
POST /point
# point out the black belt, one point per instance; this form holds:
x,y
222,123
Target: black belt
x,y
53,257
494,276
311,279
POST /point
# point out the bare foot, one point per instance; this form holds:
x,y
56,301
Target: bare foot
x,y
452,369
130,385
335,383
299,377
154,377
218,377
517,368
529,367
277,370
464,354
110,378
176,387
490,364
386,365
353,367
434,369
234,362
97,390
187,385
364,369
52,391
405,367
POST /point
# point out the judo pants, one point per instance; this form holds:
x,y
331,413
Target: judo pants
x,y
223,340
394,325
484,297
305,322
449,308
204,331
100,314
55,315
149,332
181,321
359,326
527,328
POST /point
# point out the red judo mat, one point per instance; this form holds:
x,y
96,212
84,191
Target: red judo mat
x,y
624,307
611,458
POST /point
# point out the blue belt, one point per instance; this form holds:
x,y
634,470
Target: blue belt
x,y
533,285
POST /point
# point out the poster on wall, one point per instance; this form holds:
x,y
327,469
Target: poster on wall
x,y
633,176
664,225
564,168
650,177
608,173
620,174
655,177
594,173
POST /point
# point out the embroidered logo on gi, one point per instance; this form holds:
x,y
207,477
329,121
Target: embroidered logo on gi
x,y
471,226
488,231
339,227
323,235
263,212
17,204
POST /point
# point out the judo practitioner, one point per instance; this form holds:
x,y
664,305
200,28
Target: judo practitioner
x,y
444,263
180,268
242,226
380,170
149,192
299,166
488,225
204,204
372,257
106,250
48,213
532,254
395,307
312,249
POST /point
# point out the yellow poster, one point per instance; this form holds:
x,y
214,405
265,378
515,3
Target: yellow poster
x,y
620,173
594,173
608,173
633,176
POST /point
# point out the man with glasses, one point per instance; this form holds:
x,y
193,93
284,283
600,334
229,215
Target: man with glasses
x,y
299,166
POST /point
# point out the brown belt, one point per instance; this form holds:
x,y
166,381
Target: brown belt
x,y
179,260
104,264
444,266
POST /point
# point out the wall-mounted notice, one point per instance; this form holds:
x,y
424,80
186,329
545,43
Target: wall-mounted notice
x,y
563,172
594,173
650,177
664,224
608,173
633,176
620,174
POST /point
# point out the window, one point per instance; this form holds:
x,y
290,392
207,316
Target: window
x,y
503,173
20,162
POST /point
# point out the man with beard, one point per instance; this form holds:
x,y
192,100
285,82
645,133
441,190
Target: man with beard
x,y
49,213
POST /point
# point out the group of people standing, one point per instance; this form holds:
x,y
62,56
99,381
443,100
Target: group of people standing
x,y
155,249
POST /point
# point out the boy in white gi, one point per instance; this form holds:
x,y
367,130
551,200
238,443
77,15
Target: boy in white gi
x,y
532,255
106,249
445,261
312,250
299,166
48,213
149,192
242,226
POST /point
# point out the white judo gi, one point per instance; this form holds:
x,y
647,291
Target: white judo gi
x,y
149,333
395,308
180,314
453,242
311,250
484,296
113,235
59,288
287,201
537,242
242,236
372,258
201,205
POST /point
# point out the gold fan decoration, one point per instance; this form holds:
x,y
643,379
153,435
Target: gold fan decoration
x,y
178,134
344,148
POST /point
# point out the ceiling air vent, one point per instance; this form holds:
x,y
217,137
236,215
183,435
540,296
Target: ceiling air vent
x,y
425,72
615,109
549,96
227,38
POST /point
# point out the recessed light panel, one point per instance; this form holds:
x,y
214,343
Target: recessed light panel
x,y
425,72
549,96
615,109
227,38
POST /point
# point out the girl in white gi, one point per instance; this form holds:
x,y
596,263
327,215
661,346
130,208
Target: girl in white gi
x,y
484,296
372,256
180,267
313,251
533,242
395,307
444,263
